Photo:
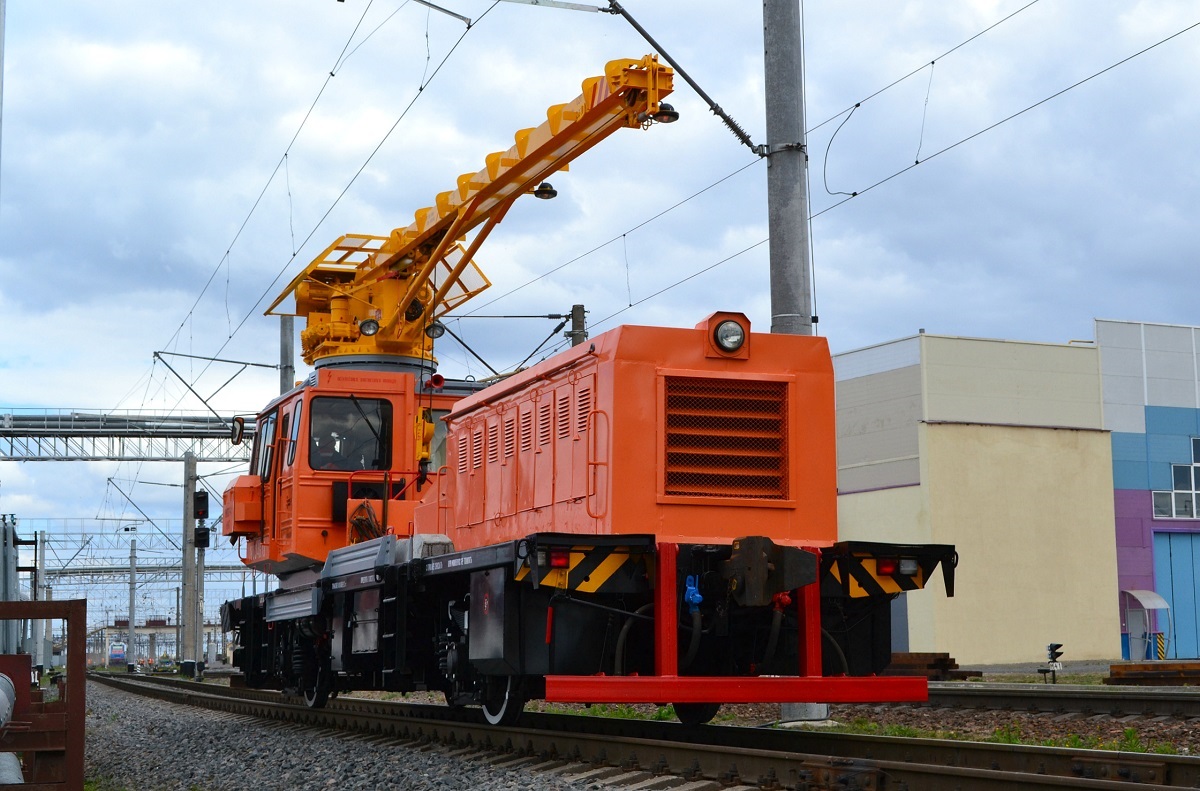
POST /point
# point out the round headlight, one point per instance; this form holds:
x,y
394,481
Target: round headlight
x,y
729,336
368,327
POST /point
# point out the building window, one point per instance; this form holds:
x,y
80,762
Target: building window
x,y
1180,502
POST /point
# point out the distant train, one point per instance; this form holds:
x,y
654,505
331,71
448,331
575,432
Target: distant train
x,y
650,516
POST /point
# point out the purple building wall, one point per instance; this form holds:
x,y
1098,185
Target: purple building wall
x,y
1135,538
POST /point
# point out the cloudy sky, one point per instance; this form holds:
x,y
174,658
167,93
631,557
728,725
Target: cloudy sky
x,y
167,166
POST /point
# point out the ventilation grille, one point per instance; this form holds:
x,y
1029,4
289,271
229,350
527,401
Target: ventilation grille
x,y
726,438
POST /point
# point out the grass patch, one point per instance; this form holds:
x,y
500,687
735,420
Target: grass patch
x,y
1034,678
616,711
1129,741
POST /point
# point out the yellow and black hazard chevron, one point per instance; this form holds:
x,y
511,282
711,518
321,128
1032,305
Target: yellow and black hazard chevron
x,y
591,569
859,569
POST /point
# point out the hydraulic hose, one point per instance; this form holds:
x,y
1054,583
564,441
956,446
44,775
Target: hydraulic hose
x,y
619,662
773,640
694,645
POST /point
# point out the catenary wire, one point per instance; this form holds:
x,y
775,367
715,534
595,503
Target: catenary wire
x,y
1011,117
917,70
900,172
341,60
270,179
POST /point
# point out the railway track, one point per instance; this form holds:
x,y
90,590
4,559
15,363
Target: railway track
x,y
654,755
1068,698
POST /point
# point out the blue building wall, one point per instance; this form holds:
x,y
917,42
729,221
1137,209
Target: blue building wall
x,y
1158,554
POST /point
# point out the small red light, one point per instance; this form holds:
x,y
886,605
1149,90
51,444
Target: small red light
x,y
560,558
886,567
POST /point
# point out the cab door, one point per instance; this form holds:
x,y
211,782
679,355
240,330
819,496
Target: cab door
x,y
264,457
285,459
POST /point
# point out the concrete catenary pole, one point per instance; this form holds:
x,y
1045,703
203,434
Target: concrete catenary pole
x,y
10,588
787,169
48,636
578,332
131,651
287,353
39,564
188,583
787,202
200,655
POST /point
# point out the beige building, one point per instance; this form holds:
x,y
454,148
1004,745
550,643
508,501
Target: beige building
x,y
997,447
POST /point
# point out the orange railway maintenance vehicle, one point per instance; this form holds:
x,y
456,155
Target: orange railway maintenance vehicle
x,y
650,516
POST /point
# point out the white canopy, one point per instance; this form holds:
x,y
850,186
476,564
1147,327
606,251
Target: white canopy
x,y
1149,600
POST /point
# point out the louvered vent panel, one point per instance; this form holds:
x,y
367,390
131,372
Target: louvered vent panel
x,y
527,431
493,443
476,449
545,420
584,398
564,416
726,438
510,437
462,454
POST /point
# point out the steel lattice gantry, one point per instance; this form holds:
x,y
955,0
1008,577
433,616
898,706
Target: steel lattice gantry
x,y
223,572
86,436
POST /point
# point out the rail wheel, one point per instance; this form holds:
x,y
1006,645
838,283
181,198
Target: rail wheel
x,y
502,700
696,713
316,685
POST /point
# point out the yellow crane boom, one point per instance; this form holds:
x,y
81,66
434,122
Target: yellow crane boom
x,y
375,295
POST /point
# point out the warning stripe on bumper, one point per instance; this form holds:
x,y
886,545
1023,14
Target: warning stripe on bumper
x,y
863,579
590,570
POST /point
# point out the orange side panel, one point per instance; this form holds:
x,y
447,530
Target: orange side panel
x,y
242,514
649,430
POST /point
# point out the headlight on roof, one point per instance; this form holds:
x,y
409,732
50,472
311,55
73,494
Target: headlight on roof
x,y
729,336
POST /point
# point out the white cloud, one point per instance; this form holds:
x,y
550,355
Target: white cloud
x,y
137,138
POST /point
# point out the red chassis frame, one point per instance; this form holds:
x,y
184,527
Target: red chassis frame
x,y
809,686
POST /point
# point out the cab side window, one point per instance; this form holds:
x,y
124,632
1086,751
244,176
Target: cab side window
x,y
264,446
295,433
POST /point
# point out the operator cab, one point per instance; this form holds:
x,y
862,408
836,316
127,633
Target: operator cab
x,y
344,458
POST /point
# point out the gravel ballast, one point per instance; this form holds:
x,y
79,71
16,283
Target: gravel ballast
x,y
140,744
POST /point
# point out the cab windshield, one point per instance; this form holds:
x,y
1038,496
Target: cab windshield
x,y
350,434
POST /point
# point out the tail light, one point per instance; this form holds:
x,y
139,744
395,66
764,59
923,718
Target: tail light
x,y
560,558
887,567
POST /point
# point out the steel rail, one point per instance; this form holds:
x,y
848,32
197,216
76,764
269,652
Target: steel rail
x,y
628,752
1068,698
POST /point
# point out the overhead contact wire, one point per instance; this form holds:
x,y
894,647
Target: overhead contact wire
x,y
1011,117
910,167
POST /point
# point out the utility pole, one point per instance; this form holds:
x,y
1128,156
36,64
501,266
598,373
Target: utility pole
x,y
39,572
131,652
787,170
287,352
48,637
578,332
10,589
200,653
787,203
188,614
178,631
